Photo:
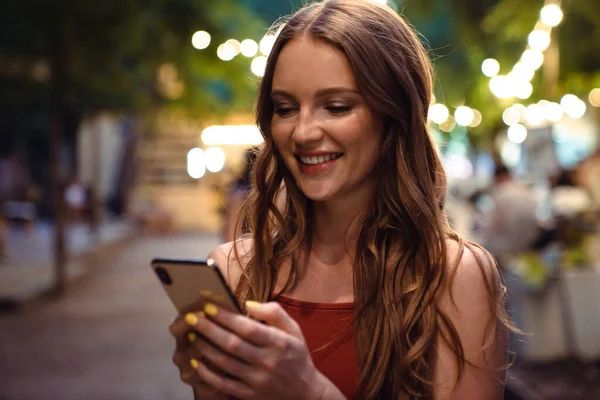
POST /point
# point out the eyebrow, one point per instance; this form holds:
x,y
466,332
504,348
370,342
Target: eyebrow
x,y
320,93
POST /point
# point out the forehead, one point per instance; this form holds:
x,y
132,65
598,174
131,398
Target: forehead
x,y
306,65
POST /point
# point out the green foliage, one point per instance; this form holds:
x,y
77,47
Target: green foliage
x,y
111,51
463,33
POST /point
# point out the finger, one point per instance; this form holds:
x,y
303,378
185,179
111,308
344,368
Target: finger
x,y
178,327
223,362
273,314
246,328
224,384
224,339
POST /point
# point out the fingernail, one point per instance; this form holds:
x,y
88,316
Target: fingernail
x,y
191,319
252,304
192,336
194,363
211,309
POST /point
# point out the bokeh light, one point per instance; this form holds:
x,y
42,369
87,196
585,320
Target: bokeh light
x,y
249,48
266,44
215,159
226,52
196,163
594,97
532,58
517,133
464,116
573,106
258,66
438,113
539,40
551,15
201,40
490,67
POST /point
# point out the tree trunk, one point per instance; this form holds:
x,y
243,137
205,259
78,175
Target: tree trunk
x,y
59,73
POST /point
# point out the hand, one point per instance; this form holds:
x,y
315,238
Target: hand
x,y
259,361
185,355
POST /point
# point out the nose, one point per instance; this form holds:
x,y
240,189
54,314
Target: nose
x,y
307,129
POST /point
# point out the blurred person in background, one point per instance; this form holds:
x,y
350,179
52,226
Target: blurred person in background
x,y
364,290
587,175
511,226
235,197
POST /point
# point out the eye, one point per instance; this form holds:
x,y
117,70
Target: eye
x,y
339,109
284,111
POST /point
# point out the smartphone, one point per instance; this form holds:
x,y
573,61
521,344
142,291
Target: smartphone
x,y
192,283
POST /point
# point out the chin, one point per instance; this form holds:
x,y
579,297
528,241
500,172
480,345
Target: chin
x,y
316,194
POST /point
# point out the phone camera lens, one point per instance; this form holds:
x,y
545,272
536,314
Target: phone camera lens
x,y
163,275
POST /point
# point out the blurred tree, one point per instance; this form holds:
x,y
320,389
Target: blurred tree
x,y
462,33
61,60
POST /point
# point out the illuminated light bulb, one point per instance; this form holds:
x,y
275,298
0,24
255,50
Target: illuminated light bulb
x,y
219,135
235,45
464,115
249,48
215,159
201,40
490,67
594,97
553,112
573,106
539,40
501,87
258,66
522,72
477,119
517,133
551,15
266,44
521,109
533,59
511,116
196,167
438,113
534,115
226,52
524,90
448,125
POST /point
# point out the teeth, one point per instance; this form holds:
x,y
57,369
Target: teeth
x,y
318,159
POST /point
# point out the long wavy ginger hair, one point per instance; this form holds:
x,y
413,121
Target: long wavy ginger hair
x,y
399,266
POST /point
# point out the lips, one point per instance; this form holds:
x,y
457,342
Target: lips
x,y
319,159
316,163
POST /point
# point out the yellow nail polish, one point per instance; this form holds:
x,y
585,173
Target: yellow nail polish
x,y
192,336
191,319
194,363
211,309
252,304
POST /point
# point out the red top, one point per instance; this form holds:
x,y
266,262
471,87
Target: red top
x,y
322,325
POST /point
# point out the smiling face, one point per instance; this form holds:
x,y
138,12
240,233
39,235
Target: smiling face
x,y
322,127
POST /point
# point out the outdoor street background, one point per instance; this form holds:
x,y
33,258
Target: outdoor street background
x,y
108,338
125,130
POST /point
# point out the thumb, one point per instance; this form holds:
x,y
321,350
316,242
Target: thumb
x,y
274,315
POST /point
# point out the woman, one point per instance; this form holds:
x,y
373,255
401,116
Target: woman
x,y
364,290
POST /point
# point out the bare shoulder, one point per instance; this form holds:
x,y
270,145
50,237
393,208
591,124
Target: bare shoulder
x,y
471,302
472,271
228,263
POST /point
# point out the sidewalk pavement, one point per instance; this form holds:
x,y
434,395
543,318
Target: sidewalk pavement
x,y
107,338
28,267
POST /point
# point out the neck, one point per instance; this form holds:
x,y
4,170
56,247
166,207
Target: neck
x,y
337,222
